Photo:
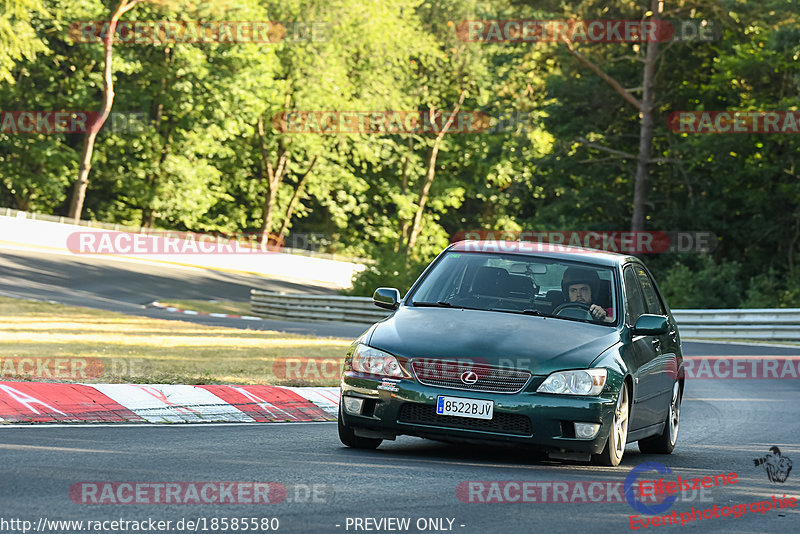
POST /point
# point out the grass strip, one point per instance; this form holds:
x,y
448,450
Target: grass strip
x,y
53,342
228,307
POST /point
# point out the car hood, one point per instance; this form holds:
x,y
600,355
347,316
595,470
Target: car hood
x,y
541,344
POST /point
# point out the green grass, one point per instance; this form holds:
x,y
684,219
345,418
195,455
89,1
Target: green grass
x,y
229,307
115,347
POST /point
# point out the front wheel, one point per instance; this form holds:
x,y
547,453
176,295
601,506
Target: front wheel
x,y
618,436
664,443
348,437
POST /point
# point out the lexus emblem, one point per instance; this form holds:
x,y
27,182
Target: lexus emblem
x,y
469,377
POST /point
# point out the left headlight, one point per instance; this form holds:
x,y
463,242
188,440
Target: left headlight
x,y
372,361
582,382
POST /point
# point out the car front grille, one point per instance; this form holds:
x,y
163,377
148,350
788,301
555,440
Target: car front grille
x,y
447,374
503,423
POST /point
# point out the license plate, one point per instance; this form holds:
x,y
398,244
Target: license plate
x,y
459,407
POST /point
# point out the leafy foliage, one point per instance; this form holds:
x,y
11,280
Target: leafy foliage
x,y
555,158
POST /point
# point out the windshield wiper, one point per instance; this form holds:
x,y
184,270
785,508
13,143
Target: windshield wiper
x,y
437,304
444,304
527,311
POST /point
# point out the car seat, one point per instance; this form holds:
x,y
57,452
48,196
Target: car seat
x,y
603,297
490,282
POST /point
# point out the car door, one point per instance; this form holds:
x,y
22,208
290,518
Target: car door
x,y
666,345
647,390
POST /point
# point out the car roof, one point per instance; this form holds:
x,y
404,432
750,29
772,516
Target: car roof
x,y
551,250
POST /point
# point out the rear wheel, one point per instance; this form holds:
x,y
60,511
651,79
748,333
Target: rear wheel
x,y
618,436
664,443
348,437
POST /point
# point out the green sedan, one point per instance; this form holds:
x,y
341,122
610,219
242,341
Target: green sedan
x,y
570,351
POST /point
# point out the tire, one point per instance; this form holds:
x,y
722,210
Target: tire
x,y
618,435
665,442
348,437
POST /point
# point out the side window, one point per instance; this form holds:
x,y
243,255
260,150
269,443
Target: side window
x,y
633,295
649,292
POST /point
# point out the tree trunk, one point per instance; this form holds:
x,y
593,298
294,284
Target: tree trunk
x,y
416,227
148,218
793,247
157,109
23,203
404,223
641,182
79,191
273,179
293,202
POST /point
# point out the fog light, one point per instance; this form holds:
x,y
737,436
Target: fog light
x,y
353,405
586,430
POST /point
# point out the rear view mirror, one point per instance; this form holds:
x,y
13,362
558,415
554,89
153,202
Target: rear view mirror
x,y
539,268
387,298
528,268
650,325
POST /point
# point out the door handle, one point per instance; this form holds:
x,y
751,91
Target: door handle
x,y
673,335
657,344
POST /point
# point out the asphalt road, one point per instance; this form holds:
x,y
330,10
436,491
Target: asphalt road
x,y
725,425
128,286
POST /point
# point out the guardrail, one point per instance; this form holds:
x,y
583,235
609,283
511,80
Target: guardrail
x,y
757,323
763,323
274,305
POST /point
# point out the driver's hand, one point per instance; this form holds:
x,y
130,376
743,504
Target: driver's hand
x,y
597,312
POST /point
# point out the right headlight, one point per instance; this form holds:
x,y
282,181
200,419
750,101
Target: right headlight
x,y
582,382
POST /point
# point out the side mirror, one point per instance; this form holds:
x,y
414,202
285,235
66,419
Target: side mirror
x,y
650,325
388,298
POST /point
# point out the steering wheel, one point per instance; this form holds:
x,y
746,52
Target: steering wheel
x,y
574,310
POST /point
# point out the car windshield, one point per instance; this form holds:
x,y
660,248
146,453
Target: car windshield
x,y
521,284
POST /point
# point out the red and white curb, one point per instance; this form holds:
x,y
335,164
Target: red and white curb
x,y
156,304
45,402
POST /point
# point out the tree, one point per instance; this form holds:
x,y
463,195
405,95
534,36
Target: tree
x,y
416,226
79,191
353,66
18,39
188,168
35,167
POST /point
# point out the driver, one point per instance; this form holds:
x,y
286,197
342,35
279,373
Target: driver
x,y
581,285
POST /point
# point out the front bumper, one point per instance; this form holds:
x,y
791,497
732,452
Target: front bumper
x,y
527,418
